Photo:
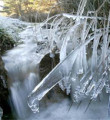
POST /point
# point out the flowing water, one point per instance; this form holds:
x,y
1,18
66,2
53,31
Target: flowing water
x,y
22,64
23,70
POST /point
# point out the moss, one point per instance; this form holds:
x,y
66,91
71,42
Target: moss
x,y
6,41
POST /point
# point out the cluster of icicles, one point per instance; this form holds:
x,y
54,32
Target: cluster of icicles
x,y
84,68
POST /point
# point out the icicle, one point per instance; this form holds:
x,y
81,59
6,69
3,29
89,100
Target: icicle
x,y
94,55
88,86
105,45
95,45
80,91
81,7
61,84
63,53
80,65
99,86
62,57
62,69
53,78
63,50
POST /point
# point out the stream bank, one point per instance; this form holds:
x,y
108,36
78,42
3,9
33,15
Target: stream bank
x,y
6,43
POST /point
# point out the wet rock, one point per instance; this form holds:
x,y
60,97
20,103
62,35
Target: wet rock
x,y
47,64
1,113
6,43
4,92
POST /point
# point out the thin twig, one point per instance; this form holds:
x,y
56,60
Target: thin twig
x,y
88,106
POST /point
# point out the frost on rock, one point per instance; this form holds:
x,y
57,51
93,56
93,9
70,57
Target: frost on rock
x,y
13,26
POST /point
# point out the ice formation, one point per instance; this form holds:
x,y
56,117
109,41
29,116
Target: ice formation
x,y
84,67
83,70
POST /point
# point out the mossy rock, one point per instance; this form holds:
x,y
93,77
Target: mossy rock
x,y
6,41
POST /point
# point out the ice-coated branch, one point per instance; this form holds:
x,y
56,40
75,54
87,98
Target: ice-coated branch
x,y
57,74
74,17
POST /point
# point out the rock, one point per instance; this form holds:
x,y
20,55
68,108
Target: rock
x,y
46,65
1,113
4,92
6,43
